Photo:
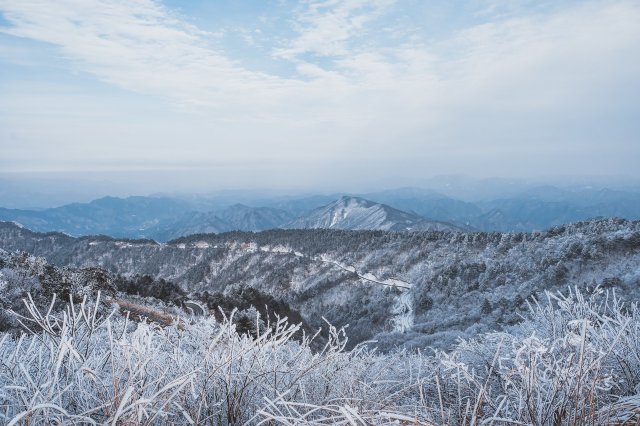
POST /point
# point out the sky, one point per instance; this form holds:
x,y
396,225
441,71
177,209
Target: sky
x,y
199,95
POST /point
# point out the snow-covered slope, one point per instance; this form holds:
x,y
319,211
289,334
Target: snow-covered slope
x,y
433,286
358,214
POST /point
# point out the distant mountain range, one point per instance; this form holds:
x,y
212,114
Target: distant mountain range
x,y
407,209
117,217
234,217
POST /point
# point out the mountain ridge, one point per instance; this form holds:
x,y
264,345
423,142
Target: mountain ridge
x,y
164,218
457,284
355,213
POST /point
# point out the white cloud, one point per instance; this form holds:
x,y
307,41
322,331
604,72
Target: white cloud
x,y
138,45
505,85
325,27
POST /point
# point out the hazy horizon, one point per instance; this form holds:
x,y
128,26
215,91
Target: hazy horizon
x,y
26,191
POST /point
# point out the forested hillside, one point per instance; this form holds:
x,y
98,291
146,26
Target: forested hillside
x,y
411,289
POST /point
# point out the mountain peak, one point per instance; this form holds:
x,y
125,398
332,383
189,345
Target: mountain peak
x,y
352,200
350,212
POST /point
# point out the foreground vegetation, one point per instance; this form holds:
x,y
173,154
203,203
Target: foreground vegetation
x,y
573,361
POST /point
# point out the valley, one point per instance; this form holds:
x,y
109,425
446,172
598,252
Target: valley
x,y
416,290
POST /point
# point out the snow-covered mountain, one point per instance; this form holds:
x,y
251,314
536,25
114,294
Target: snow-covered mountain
x,y
401,288
132,217
356,213
166,217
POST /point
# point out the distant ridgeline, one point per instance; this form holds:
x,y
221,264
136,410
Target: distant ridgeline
x,y
415,289
163,218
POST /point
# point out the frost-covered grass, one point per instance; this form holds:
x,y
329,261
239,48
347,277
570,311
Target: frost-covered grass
x,y
575,361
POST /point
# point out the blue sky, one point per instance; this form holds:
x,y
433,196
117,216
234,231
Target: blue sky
x,y
333,93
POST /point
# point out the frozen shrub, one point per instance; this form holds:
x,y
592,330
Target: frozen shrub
x,y
575,360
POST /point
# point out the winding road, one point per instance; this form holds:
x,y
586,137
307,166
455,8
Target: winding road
x,y
402,309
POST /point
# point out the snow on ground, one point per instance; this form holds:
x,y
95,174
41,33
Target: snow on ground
x,y
280,249
398,283
403,308
403,311
275,249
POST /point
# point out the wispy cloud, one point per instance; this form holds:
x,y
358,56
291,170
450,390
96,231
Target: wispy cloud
x,y
516,83
139,45
142,46
326,27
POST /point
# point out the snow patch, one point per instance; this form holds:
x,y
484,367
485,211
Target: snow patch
x,y
397,283
280,249
403,311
